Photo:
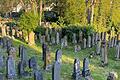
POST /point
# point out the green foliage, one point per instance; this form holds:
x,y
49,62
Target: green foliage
x,y
28,21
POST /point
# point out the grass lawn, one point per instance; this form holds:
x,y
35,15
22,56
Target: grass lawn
x,y
98,73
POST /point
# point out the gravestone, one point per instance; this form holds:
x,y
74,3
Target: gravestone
x,y
89,41
104,53
112,42
65,41
74,38
58,56
7,30
38,75
98,47
4,40
86,71
53,40
115,42
22,53
44,50
12,51
118,51
8,44
1,62
13,33
77,48
42,39
21,69
80,37
96,38
111,76
1,76
85,43
93,39
62,43
3,30
57,38
56,71
76,70
11,72
47,60
33,63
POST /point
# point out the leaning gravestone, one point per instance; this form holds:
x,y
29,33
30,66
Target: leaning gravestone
x,y
11,72
86,71
58,56
56,71
76,70
38,75
104,53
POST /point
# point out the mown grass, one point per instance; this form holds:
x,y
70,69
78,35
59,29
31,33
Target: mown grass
x,y
97,72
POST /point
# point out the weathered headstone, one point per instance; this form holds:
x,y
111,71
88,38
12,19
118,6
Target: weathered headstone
x,y
21,69
118,51
77,48
38,75
96,38
1,76
85,43
80,37
8,44
11,72
12,51
104,53
93,39
58,56
33,63
111,76
57,38
44,50
56,71
74,38
65,41
86,71
76,70
42,39
53,40
89,41
23,53
98,47
112,42
1,61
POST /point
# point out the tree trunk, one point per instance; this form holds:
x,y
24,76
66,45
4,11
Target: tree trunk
x,y
40,12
